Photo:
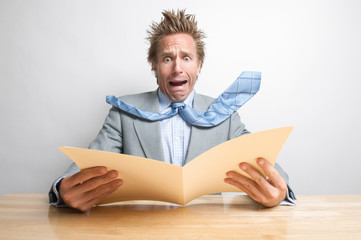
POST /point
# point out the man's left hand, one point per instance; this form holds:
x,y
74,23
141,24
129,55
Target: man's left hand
x,y
269,190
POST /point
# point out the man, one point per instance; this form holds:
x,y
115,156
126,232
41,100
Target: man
x,y
176,55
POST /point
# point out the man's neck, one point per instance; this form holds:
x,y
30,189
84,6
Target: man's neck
x,y
165,102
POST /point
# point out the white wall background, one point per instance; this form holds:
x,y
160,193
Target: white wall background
x,y
59,59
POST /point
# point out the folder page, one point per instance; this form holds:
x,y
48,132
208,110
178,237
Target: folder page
x,y
143,179
206,173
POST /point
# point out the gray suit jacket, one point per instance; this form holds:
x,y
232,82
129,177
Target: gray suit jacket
x,y
124,133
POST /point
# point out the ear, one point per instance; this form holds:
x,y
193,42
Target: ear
x,y
154,67
199,66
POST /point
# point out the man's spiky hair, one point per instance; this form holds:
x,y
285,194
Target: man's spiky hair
x,y
174,22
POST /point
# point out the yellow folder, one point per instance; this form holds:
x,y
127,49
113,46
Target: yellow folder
x,y
147,179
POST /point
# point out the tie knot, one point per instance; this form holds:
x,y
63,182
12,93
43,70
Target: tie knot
x,y
178,105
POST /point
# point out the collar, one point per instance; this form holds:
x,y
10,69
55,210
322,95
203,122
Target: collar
x,y
164,101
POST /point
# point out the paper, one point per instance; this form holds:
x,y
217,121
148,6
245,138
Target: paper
x,y
147,179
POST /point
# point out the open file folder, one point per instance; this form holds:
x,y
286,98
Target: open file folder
x,y
147,179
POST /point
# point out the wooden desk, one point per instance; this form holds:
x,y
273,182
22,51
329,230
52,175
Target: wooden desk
x,y
29,216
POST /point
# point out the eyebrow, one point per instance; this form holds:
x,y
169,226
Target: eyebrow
x,y
166,53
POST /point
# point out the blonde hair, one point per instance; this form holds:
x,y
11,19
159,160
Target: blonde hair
x,y
174,22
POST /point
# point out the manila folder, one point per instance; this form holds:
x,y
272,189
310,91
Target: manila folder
x,y
148,179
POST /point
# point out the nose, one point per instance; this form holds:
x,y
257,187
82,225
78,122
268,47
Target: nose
x,y
177,68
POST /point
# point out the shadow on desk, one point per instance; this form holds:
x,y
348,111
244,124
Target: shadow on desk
x,y
207,216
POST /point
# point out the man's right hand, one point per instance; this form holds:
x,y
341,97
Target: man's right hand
x,y
86,188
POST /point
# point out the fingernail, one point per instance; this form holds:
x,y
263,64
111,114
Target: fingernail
x,y
113,174
243,166
119,182
260,161
102,170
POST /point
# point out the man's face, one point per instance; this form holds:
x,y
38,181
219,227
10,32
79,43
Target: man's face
x,y
177,66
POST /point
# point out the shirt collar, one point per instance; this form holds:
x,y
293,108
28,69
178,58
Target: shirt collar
x,y
164,101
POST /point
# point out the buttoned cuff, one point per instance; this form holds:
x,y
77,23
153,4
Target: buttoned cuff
x,y
54,196
290,199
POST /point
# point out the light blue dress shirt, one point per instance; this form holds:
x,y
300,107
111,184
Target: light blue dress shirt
x,y
175,132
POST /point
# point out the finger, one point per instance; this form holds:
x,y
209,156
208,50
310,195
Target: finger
x,y
97,181
246,184
96,195
259,179
275,178
241,186
87,174
105,190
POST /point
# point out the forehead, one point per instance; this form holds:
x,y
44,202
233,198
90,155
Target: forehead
x,y
181,42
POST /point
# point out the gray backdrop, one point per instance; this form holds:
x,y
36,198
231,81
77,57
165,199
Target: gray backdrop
x,y
59,59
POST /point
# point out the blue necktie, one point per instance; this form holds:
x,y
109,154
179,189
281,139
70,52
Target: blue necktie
x,y
244,88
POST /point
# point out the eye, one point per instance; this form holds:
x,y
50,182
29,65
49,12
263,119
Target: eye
x,y
187,58
167,59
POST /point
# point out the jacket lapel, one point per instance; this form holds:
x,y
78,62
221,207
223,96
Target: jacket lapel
x,y
197,133
149,132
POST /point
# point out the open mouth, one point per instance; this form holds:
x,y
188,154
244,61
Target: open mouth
x,y
178,83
